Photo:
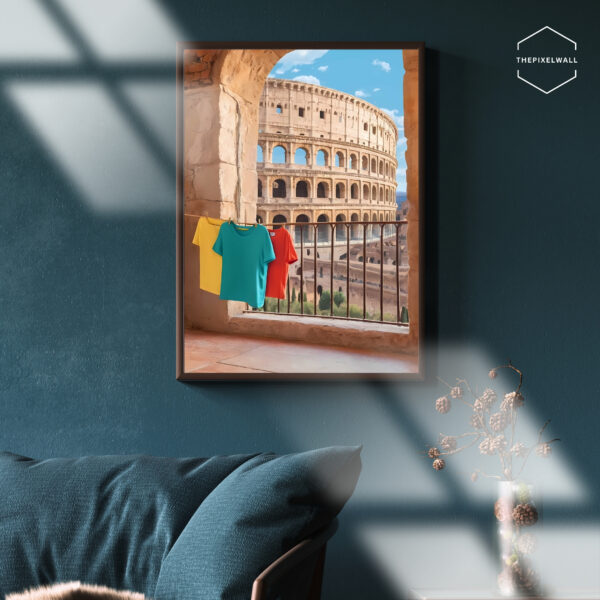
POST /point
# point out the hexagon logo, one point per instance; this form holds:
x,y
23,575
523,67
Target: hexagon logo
x,y
546,60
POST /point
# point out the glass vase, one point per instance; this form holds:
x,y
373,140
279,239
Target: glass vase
x,y
518,515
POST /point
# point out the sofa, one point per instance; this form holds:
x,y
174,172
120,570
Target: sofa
x,y
220,528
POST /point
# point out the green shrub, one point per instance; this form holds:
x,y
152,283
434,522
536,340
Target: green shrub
x,y
339,298
325,300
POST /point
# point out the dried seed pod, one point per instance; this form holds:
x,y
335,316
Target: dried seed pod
x,y
525,515
442,405
433,453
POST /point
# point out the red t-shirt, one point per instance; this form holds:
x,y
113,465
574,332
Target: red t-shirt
x,y
285,254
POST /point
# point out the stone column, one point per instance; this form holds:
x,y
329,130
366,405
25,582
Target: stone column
x,y
411,131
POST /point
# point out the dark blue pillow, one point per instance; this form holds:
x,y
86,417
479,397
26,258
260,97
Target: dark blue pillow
x,y
256,514
109,520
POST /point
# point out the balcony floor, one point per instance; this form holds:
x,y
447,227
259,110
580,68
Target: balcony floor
x,y
209,352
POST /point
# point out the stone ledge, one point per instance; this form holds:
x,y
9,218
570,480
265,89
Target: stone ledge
x,y
350,334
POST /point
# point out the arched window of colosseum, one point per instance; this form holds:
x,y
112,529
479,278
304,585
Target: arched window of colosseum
x,y
259,188
387,169
381,196
339,159
365,163
366,127
374,129
279,219
321,114
354,229
352,162
381,167
301,157
278,109
323,231
374,193
301,112
322,158
278,155
366,217
340,230
322,190
373,165
365,192
279,188
259,154
302,189
354,191
302,231
340,190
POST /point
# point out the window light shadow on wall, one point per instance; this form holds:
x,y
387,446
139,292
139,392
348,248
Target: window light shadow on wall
x,y
97,87
406,514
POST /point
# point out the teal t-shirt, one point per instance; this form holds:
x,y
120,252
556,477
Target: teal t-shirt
x,y
246,252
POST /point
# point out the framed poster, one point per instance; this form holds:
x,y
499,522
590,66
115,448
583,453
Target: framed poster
x,y
299,210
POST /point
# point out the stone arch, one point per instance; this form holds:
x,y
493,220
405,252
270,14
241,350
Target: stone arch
x,y
261,217
302,189
301,156
279,218
374,193
373,165
323,231
354,229
279,155
322,189
353,163
303,231
365,192
340,160
354,191
340,190
260,188
387,168
365,163
322,158
381,198
381,167
279,189
340,230
260,157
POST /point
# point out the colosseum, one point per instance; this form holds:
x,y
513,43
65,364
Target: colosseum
x,y
324,156
328,157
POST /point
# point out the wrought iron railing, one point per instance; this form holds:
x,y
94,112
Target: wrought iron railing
x,y
374,267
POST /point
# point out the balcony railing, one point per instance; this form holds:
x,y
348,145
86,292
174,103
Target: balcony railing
x,y
353,270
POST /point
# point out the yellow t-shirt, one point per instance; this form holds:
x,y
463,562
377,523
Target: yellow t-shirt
x,y
206,234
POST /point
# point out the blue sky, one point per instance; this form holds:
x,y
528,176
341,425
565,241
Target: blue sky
x,y
373,75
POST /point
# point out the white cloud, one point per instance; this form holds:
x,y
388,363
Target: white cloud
x,y
299,57
308,79
376,89
383,64
295,70
361,93
396,116
323,68
401,143
280,71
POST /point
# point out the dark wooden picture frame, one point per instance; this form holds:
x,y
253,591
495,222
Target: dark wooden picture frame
x,y
195,60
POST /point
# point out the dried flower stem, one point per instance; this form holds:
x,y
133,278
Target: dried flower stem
x,y
509,365
461,448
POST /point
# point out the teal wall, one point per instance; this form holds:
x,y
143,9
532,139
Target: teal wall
x,y
87,300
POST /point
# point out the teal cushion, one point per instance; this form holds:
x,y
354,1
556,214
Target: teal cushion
x,y
109,520
257,513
